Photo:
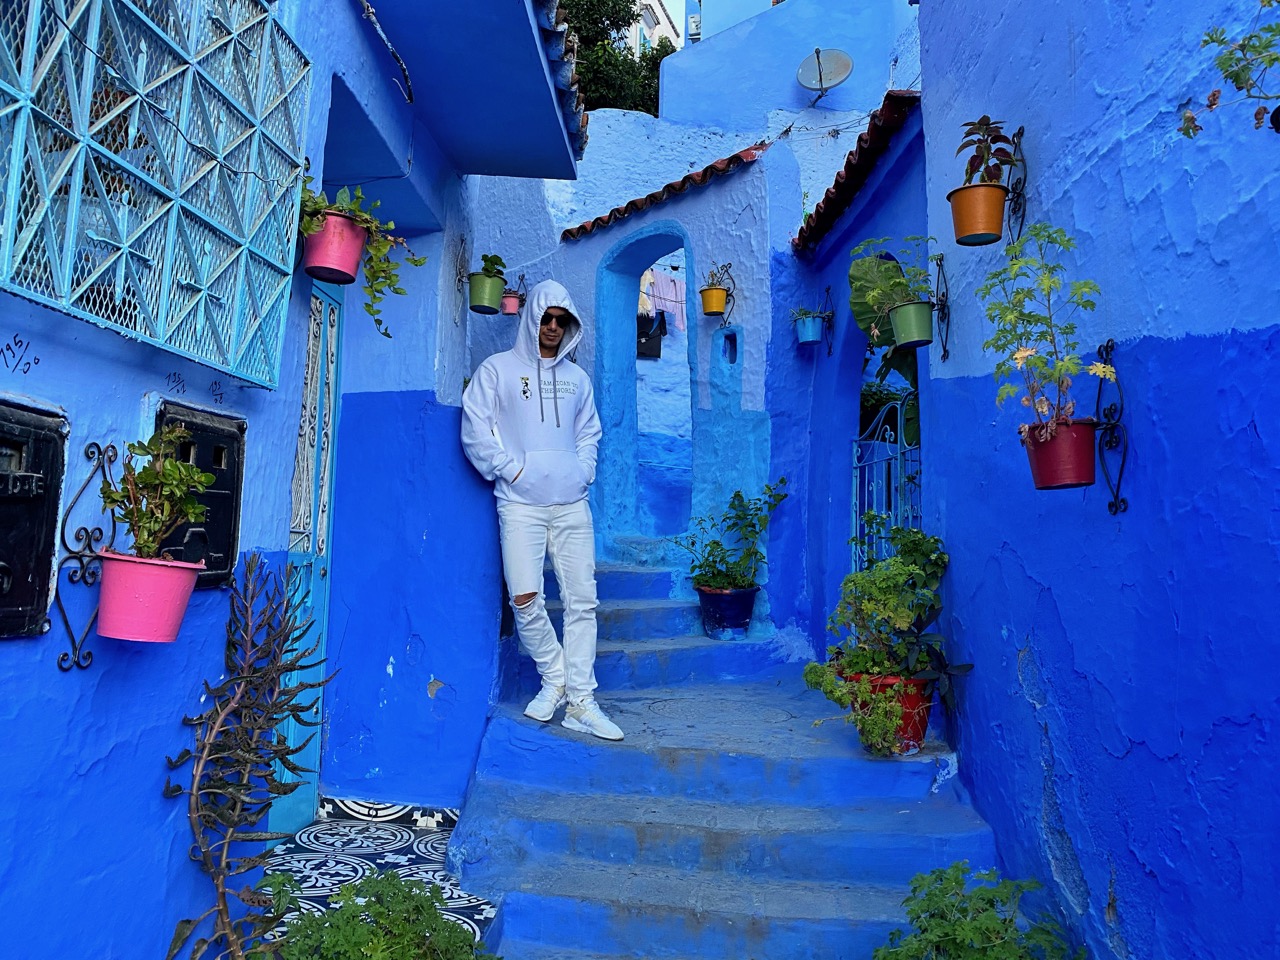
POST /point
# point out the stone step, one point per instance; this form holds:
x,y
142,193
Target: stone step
x,y
524,950
631,664
869,841
638,619
645,552
624,582
742,742
655,912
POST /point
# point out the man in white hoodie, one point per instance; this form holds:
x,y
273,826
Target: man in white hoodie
x,y
529,423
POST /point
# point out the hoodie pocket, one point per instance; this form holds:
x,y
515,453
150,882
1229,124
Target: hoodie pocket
x,y
549,477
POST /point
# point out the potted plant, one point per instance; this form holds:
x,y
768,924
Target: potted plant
x,y
512,301
341,234
1035,341
951,920
726,559
488,284
896,290
809,324
887,668
144,596
384,916
715,292
977,208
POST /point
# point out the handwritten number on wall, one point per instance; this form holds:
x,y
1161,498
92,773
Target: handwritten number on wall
x,y
18,356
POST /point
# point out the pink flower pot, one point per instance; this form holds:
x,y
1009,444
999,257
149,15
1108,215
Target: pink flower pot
x,y
144,599
332,254
511,304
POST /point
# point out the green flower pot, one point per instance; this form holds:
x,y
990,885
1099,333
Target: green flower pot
x,y
912,323
486,293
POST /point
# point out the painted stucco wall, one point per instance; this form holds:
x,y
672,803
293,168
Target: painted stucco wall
x,y
1115,731
719,15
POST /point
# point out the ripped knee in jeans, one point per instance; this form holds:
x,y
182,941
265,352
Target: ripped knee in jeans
x,y
524,599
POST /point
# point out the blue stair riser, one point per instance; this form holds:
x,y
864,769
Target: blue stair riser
x,y
523,753
641,666
849,856
615,927
624,584
639,622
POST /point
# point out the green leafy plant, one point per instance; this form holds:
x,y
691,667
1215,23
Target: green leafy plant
x,y
610,75
1244,62
381,270
991,150
878,282
239,751
951,920
1035,332
877,714
799,313
493,265
382,917
154,499
725,548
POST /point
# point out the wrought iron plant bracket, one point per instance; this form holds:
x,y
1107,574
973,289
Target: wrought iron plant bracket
x,y
729,300
1017,198
81,557
942,305
829,321
1113,434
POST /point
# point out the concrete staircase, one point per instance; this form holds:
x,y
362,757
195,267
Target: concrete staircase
x,y
725,825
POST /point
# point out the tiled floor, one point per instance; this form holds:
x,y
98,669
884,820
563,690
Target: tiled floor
x,y
352,840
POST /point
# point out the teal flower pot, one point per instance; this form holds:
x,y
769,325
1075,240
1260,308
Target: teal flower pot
x,y
809,330
912,323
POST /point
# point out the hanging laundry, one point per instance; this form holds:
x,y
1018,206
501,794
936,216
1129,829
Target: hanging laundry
x,y
668,295
646,289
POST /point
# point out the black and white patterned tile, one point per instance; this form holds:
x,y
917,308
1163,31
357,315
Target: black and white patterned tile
x,y
354,839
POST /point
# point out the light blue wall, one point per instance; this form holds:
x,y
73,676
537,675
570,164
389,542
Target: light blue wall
x,y
719,15
1114,730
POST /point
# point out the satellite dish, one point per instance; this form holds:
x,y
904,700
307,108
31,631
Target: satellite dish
x,y
824,70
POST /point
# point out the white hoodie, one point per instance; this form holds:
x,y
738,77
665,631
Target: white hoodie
x,y
547,436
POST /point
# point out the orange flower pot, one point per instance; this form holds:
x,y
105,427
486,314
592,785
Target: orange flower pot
x,y
714,300
977,212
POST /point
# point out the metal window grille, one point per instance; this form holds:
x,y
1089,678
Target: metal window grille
x,y
886,480
150,153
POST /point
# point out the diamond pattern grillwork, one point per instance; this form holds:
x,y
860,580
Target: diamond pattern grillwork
x,y
150,160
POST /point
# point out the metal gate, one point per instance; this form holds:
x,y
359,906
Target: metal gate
x,y
886,477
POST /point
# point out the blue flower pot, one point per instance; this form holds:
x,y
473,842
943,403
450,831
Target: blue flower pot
x,y
726,614
809,330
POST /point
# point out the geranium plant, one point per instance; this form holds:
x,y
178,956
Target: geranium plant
x,y
725,548
492,266
991,150
1244,63
1033,309
157,497
381,270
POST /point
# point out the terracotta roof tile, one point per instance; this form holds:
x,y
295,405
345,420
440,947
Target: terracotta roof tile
x,y
698,178
872,143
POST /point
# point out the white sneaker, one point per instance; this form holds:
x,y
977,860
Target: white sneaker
x,y
585,716
544,706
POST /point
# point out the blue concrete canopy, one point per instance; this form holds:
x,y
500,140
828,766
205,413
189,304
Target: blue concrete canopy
x,y
492,82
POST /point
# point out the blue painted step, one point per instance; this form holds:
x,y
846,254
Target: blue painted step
x,y
736,742
624,582
655,912
638,619
630,665
872,841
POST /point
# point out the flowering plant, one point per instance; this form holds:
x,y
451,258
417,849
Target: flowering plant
x,y
1034,333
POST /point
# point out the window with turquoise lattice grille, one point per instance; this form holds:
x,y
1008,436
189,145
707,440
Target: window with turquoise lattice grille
x,y
149,170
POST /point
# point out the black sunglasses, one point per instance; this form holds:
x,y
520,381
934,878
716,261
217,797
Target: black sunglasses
x,y
561,322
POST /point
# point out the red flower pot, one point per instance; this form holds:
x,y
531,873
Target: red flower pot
x,y
916,700
1067,458
332,254
144,599
510,304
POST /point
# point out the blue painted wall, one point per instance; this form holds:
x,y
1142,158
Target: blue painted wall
x,y
1114,731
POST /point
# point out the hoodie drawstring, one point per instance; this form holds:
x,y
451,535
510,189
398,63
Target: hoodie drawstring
x,y
538,386
555,396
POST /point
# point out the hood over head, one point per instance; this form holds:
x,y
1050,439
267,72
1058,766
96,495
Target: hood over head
x,y
548,293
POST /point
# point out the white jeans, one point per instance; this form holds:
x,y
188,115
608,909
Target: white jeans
x,y
527,534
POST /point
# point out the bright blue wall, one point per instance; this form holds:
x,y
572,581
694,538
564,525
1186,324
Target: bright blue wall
x,y
1115,730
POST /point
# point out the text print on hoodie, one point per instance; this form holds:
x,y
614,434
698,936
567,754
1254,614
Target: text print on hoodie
x,y
547,435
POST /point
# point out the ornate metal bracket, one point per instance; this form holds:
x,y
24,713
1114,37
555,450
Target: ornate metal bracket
x,y
1017,198
1113,435
942,305
724,277
829,321
81,556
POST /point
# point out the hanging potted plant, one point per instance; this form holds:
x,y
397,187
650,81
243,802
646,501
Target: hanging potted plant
x,y
977,208
513,297
809,324
897,290
340,235
887,668
144,596
716,291
726,559
487,285
1035,340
